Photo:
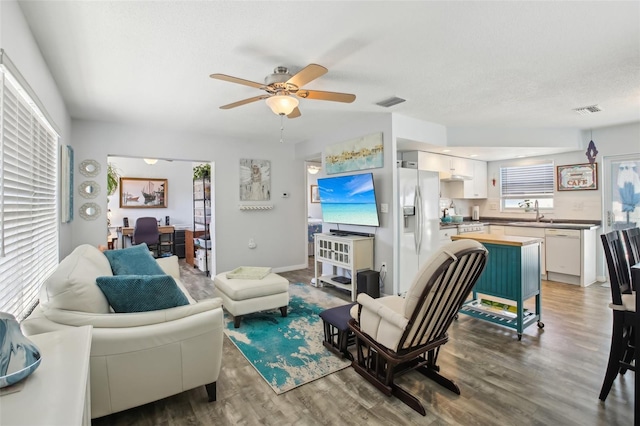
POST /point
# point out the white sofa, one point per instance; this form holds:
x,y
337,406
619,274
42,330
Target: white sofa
x,y
136,358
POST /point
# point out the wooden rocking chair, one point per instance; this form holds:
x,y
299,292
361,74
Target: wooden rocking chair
x,y
395,335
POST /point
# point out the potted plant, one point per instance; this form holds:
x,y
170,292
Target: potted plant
x,y
113,178
527,205
202,171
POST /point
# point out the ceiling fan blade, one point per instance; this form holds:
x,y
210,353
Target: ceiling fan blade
x,y
244,102
237,80
295,113
307,74
326,96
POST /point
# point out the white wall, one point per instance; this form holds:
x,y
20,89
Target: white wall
x,y
514,137
279,234
179,175
383,181
17,41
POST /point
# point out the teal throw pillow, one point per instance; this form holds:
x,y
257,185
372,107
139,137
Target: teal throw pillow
x,y
141,293
134,260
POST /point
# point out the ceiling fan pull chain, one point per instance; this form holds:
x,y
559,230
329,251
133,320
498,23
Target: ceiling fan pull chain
x,y
281,128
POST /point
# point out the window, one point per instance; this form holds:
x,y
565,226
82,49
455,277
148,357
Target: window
x,y
521,186
28,196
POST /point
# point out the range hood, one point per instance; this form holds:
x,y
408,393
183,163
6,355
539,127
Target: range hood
x,y
448,177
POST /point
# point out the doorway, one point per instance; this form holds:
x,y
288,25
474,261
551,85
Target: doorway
x,y
314,213
178,214
621,192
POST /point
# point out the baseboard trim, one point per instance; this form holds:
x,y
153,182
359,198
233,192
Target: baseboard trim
x,y
290,268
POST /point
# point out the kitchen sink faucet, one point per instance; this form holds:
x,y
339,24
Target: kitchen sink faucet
x,y
536,207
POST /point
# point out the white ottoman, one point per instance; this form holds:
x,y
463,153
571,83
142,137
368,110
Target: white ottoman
x,y
242,296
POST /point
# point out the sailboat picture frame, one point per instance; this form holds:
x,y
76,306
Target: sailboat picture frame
x,y
140,193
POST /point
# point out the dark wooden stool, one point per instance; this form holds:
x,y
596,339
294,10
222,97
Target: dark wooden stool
x,y
337,336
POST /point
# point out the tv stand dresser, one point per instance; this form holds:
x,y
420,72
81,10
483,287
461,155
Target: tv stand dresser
x,y
353,253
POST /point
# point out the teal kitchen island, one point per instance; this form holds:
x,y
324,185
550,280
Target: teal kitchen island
x,y
512,273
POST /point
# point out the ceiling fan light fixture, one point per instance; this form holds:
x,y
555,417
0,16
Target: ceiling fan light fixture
x,y
282,104
313,170
150,161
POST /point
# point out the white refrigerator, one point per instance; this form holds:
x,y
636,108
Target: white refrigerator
x,y
419,224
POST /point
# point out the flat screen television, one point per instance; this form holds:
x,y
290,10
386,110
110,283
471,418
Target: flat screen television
x,y
349,200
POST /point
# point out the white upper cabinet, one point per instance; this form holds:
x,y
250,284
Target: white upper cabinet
x,y
451,170
460,166
426,161
477,187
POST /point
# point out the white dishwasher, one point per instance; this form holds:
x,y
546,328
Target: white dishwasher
x,y
563,251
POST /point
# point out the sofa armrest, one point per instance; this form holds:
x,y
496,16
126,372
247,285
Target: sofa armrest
x,y
124,340
134,319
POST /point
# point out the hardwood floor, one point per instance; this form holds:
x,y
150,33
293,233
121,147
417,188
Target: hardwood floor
x,y
551,377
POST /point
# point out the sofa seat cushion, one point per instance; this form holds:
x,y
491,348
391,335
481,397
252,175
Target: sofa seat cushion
x,y
72,286
141,293
134,260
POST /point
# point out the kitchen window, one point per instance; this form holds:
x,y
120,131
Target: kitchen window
x,y
522,186
28,194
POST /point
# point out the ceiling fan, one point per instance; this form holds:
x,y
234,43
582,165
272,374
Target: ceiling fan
x,y
282,89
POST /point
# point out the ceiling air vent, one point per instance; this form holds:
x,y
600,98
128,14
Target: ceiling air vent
x,y
588,110
391,102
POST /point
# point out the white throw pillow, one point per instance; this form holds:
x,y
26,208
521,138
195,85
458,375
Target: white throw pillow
x,y
72,286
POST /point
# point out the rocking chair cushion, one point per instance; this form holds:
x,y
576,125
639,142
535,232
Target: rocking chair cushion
x,y
427,270
382,318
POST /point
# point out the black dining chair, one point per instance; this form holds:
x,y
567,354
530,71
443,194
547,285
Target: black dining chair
x,y
624,311
146,231
632,243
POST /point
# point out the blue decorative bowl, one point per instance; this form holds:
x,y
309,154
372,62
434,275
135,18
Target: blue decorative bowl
x,y
19,356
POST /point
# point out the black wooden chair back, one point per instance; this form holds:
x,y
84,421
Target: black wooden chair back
x,y
632,243
617,264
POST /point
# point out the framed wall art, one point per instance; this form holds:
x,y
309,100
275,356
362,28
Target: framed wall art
x,y
577,177
255,180
66,183
315,195
362,153
143,193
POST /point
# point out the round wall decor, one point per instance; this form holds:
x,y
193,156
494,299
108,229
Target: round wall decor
x,y
89,189
89,168
90,211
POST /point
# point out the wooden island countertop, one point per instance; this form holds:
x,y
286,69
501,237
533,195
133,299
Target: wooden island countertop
x,y
506,240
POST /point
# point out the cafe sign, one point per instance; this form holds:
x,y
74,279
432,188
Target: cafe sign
x,y
577,177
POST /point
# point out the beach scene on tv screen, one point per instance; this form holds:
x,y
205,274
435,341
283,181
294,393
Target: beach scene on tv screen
x,y
348,200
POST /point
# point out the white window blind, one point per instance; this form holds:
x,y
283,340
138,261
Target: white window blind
x,y
533,181
28,198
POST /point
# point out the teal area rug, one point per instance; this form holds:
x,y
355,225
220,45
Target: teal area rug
x,y
288,352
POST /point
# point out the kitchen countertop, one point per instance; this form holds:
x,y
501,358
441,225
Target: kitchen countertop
x,y
561,224
505,240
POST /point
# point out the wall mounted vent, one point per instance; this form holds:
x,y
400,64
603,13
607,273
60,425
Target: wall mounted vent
x,y
588,110
391,102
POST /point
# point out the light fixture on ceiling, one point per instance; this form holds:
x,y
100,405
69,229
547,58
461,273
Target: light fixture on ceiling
x,y
150,161
313,170
282,104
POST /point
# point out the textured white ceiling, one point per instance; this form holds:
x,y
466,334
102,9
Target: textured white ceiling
x,y
476,64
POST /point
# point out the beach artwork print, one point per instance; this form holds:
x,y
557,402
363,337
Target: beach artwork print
x,y
357,154
255,180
